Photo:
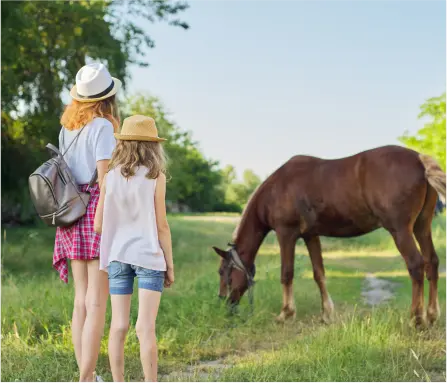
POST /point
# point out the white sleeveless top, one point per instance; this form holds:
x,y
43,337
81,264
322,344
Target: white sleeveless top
x,y
129,229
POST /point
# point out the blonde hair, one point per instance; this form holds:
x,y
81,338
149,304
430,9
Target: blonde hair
x,y
132,154
77,114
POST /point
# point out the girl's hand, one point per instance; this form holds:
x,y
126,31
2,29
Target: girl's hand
x,y
169,277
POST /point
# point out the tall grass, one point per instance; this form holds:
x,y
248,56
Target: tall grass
x,y
193,325
376,346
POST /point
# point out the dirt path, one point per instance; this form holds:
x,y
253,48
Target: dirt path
x,y
203,370
376,290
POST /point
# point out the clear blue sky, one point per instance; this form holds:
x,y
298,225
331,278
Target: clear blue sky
x,y
260,81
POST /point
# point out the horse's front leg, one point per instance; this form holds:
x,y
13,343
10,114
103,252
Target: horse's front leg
x,y
287,240
313,245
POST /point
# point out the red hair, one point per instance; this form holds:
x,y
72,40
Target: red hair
x,y
77,114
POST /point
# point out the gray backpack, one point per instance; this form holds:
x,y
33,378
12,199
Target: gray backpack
x,y
54,192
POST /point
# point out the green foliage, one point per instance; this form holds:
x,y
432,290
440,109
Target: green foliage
x,y
44,43
431,138
238,193
195,182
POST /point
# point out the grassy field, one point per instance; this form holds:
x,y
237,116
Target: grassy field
x,y
199,341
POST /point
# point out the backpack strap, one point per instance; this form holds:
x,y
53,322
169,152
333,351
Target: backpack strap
x,y
93,180
72,142
54,149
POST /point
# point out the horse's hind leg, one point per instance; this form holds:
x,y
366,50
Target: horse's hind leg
x,y
287,241
403,238
313,245
422,232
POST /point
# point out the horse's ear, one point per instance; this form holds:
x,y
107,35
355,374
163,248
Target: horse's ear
x,y
222,253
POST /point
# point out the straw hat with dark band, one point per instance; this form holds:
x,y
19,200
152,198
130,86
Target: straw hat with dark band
x,y
139,128
94,83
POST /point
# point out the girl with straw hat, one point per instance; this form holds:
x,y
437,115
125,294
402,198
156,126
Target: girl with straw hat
x,y
87,139
136,239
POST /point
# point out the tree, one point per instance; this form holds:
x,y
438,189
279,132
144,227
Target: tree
x,y
194,181
251,181
239,192
44,43
229,175
431,138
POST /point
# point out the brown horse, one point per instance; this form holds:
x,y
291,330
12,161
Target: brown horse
x,y
390,187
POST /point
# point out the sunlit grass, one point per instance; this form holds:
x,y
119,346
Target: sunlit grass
x,y
212,218
193,325
274,251
357,274
368,347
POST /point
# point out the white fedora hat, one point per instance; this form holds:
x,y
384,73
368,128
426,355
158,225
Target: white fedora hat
x,y
94,83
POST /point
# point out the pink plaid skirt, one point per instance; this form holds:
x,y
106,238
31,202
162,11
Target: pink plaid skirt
x,y
78,241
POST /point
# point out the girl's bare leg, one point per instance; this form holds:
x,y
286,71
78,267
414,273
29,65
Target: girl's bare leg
x,y
96,305
80,277
148,302
118,332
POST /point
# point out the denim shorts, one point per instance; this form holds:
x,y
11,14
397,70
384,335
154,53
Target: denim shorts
x,y
121,277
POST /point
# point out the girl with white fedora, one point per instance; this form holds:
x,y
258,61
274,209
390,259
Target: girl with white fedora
x,y
136,239
87,141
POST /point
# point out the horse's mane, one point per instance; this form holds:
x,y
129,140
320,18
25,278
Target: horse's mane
x,y
244,213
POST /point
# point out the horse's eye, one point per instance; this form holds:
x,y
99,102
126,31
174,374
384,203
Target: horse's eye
x,y
220,271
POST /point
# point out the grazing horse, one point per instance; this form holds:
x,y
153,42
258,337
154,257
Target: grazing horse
x,y
390,187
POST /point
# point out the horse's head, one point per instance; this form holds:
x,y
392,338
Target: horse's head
x,y
235,277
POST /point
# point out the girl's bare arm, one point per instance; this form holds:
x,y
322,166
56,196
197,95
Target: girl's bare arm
x,y
97,225
102,167
164,232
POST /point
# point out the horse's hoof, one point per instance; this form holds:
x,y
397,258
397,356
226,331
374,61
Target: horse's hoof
x,y
418,322
279,318
285,315
327,318
433,315
328,311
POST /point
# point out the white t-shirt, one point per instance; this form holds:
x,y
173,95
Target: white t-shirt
x,y
96,142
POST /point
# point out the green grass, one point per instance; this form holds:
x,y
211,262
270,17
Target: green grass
x,y
377,346
363,344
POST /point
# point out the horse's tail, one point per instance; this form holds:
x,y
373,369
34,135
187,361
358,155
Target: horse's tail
x,y
434,175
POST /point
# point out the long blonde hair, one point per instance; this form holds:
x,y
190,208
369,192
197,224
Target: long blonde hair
x,y
77,114
130,155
